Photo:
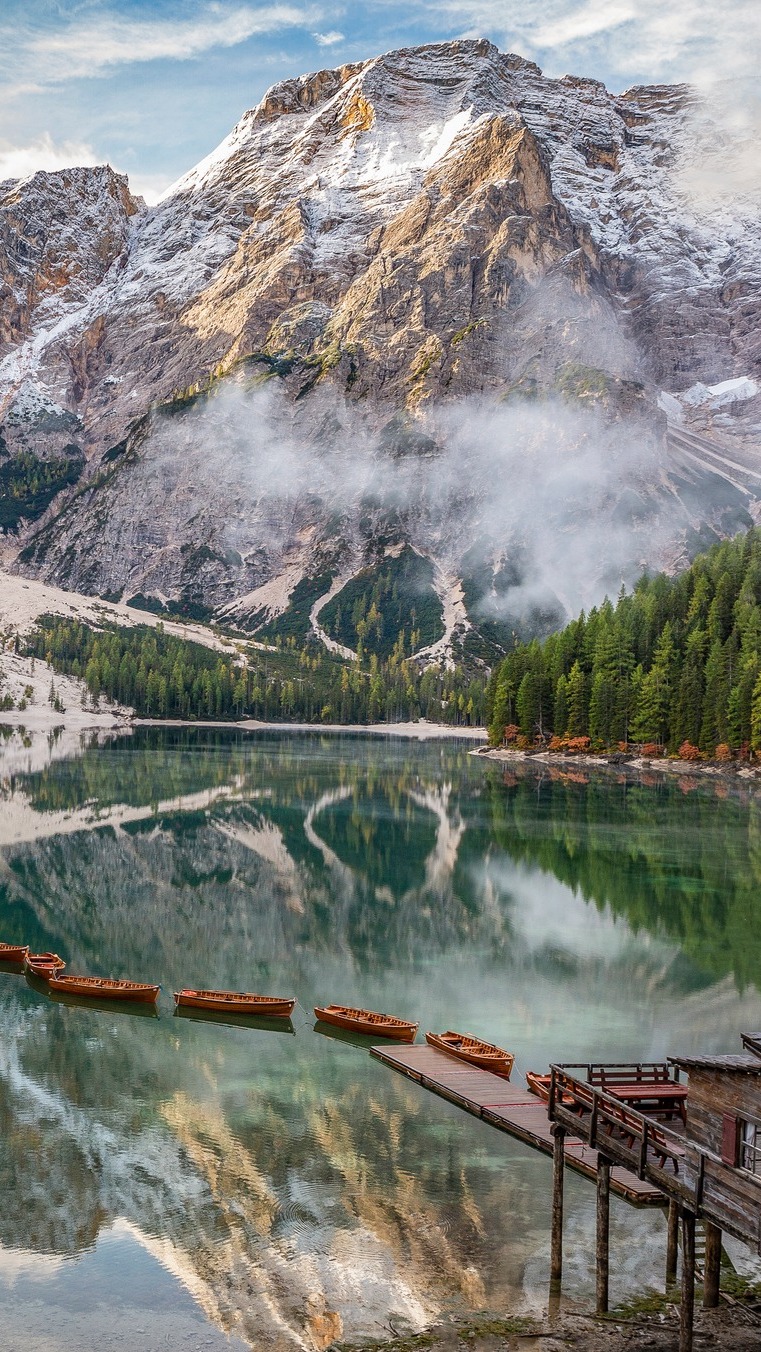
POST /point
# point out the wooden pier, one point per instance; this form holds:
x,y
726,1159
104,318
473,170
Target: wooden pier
x,y
511,1110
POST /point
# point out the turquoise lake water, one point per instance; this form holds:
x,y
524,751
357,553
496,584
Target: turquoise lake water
x,y
196,1185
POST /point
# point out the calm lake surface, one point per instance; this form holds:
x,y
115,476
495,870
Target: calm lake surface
x,y
196,1185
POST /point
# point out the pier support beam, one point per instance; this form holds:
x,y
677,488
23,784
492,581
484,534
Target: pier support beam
x,y
672,1244
712,1270
558,1166
603,1232
687,1308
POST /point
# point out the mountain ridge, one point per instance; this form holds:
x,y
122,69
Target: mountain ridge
x,y
374,244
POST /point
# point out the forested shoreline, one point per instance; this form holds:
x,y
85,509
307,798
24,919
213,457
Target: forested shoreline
x,y
673,666
161,676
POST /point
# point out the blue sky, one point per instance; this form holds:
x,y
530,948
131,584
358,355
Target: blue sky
x,y
151,86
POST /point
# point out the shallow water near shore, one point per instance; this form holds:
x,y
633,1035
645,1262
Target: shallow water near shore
x,y
218,1186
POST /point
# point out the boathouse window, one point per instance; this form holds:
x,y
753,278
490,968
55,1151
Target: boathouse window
x,y
750,1146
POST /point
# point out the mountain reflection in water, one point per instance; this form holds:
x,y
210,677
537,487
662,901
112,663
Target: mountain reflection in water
x,y
292,1187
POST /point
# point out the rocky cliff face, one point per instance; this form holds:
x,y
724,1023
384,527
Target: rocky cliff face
x,y
377,242
59,236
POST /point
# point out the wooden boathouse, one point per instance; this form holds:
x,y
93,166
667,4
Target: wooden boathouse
x,y
700,1146
640,1131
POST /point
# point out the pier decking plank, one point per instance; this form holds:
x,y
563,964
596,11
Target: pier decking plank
x,y
511,1110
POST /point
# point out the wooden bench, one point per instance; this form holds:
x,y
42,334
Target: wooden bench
x,y
639,1073
649,1088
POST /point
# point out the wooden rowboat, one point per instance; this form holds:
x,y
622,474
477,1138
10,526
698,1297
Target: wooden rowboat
x,y
43,965
579,1101
367,1021
13,952
103,988
237,1002
538,1084
475,1051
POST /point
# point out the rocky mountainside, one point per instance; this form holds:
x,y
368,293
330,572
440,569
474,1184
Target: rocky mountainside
x,y
432,300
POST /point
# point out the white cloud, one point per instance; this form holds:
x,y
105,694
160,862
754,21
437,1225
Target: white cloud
x,y
49,155
712,45
585,21
684,40
98,44
328,39
148,186
44,153
721,161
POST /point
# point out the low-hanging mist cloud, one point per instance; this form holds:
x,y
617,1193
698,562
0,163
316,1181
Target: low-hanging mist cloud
x,y
581,502
719,165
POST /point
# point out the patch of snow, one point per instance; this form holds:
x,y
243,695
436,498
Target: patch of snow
x,y
670,405
403,150
32,402
23,601
336,586
440,139
272,597
720,396
216,159
28,681
449,590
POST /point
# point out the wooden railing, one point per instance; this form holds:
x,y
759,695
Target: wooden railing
x,y
595,1115
690,1174
623,1072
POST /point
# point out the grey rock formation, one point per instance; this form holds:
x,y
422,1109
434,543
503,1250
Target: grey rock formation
x,y
381,243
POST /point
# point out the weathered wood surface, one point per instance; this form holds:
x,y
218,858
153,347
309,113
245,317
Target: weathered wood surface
x,y
672,1243
687,1303
514,1111
558,1172
686,1170
603,1233
722,1089
714,1093
712,1267
665,1100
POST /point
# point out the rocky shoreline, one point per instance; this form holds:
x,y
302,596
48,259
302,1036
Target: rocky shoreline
x,y
652,1326
627,765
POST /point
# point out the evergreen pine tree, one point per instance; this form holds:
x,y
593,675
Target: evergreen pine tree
x,y
528,704
688,709
560,712
714,725
650,723
578,702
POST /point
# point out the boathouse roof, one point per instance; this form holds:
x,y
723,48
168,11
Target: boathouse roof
x,y
746,1063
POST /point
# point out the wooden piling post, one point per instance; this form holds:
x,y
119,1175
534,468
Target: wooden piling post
x,y
672,1243
712,1270
687,1308
558,1166
603,1232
